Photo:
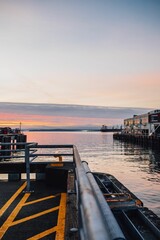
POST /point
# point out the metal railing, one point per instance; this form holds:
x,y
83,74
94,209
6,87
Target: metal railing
x,y
96,221
31,154
11,151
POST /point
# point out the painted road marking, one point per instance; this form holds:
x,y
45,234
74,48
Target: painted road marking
x,y
61,218
34,216
42,199
13,215
43,234
59,229
8,203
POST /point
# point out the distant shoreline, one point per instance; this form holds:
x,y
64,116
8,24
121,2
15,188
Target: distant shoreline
x,y
63,130
72,130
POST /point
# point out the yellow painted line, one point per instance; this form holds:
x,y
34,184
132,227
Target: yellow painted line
x,y
41,199
8,203
34,216
60,228
13,215
43,234
61,218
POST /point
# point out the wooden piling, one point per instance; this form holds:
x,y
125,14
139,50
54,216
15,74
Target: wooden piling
x,y
10,142
5,146
145,141
20,139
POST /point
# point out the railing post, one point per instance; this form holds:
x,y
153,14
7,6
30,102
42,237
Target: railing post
x,y
27,167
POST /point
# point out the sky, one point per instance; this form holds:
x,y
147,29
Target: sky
x,y
78,54
100,53
38,116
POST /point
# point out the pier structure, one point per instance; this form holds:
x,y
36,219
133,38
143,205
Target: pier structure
x,y
54,199
147,124
142,129
145,141
52,194
11,141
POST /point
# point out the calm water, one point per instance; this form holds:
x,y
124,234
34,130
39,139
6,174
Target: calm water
x,y
137,168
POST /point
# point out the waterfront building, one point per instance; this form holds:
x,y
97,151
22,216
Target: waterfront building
x,y
147,124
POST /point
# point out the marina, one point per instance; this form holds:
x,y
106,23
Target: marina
x,y
49,198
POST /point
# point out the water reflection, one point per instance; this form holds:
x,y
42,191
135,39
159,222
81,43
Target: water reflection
x,y
134,166
147,157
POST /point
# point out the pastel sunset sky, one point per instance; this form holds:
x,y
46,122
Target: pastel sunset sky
x,y
92,53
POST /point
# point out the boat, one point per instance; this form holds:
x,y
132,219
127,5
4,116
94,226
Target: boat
x,y
60,198
115,193
105,128
135,220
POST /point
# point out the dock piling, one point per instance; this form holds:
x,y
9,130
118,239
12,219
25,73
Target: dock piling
x,y
145,141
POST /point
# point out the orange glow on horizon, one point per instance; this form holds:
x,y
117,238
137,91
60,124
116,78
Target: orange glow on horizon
x,y
28,120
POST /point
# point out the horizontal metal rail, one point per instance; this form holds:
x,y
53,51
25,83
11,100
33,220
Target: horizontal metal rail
x,y
12,157
51,155
11,144
111,223
53,146
96,219
10,150
30,156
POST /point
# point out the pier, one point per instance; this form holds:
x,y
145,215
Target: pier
x,y
11,141
50,193
56,202
146,141
142,129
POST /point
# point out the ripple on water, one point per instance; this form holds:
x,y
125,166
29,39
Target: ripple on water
x,y
135,167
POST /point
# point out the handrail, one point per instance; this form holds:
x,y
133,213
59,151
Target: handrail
x,y
53,146
9,148
111,223
31,155
91,203
92,206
